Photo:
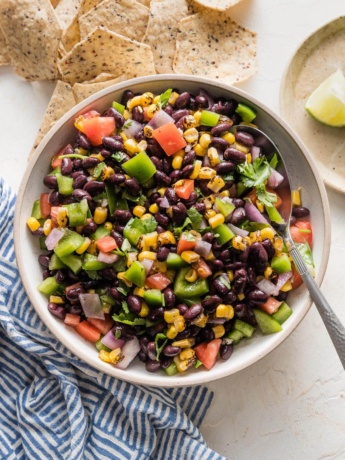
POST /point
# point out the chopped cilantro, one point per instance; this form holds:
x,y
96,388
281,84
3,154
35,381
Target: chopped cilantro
x,y
178,230
266,197
119,156
144,226
125,308
164,98
159,347
98,169
93,274
274,161
253,226
195,218
129,318
141,199
197,363
127,124
117,334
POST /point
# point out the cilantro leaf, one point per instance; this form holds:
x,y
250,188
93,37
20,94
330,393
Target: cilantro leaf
x,y
127,124
125,308
144,226
117,334
164,98
274,161
119,156
98,169
141,199
253,174
266,198
195,218
129,318
253,226
159,348
178,230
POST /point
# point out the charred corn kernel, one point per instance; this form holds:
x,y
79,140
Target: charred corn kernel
x,y
206,173
196,170
134,102
190,256
161,191
116,356
210,256
216,184
150,255
151,110
170,274
216,220
153,209
99,156
255,236
181,366
191,135
139,291
180,323
219,331
278,245
148,131
108,226
100,215
225,193
187,353
209,213
107,171
62,217
131,146
147,99
201,320
230,274
260,206
144,310
104,356
123,135
296,198
121,277
142,145
184,343
177,161
131,257
150,240
199,151
237,243
242,148
267,232
197,116
179,183
47,227
159,267
171,332
92,249
246,240
207,203
205,140
191,275
225,311
173,96
56,299
213,156
84,246
190,122
171,315
249,158
287,286
166,238
268,272
241,296
138,211
146,216
229,137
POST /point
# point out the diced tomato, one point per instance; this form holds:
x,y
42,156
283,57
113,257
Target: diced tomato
x,y
102,325
253,197
202,269
271,306
186,243
71,320
106,243
91,114
96,128
185,190
207,352
302,232
88,331
157,281
45,206
146,117
54,210
296,279
169,138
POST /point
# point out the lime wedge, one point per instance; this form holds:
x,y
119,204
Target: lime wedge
x,y
327,102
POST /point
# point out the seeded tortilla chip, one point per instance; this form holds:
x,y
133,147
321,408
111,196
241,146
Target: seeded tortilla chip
x,y
83,90
210,44
220,5
87,5
61,101
105,51
127,17
33,34
70,36
145,2
162,31
4,56
54,3
102,77
66,11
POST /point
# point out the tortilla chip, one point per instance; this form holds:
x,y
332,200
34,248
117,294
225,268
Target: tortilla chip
x,y
145,2
210,44
102,77
105,51
220,5
70,36
61,101
87,5
66,11
54,3
162,31
33,36
127,17
4,56
82,90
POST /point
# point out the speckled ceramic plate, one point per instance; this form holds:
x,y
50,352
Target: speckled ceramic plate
x,y
316,59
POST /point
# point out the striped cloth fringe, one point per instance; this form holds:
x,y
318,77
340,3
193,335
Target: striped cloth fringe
x,y
54,406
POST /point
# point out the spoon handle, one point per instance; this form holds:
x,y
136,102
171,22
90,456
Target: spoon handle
x,y
335,328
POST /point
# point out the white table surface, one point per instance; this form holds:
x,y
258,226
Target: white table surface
x,y
291,404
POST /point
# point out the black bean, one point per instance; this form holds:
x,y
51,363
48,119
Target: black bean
x,y
157,162
207,335
72,294
78,173
75,309
200,207
94,187
170,350
189,158
119,120
66,166
293,220
219,143
132,186
112,143
83,141
258,257
57,310
68,150
155,314
122,216
238,202
134,304
220,129
79,194
211,302
282,296
152,366
55,198
182,308
201,101
115,294
175,175
162,219
126,96
165,362
187,171
170,195
142,356
244,138
300,211
46,273
162,253
178,114
155,149
50,182
216,246
240,280
156,328
219,286
193,311
230,298
225,167
179,214
44,260
203,185
90,228
77,164
162,179
226,351
241,310
225,107
169,297
143,341
160,229
216,265
267,244
251,276
182,101
183,335
116,179
191,200
117,237
238,215
90,162
208,236
167,164
234,155
79,181
257,296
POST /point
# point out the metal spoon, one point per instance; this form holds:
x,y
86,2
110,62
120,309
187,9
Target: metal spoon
x,y
335,328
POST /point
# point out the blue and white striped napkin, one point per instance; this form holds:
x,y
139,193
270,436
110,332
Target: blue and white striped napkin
x,y
54,406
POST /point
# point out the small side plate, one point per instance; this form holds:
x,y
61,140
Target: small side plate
x,y
320,55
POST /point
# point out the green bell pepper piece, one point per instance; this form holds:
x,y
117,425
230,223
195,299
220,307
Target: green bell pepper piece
x,y
100,232
91,263
68,243
36,210
132,233
111,197
171,370
141,167
224,234
99,345
136,274
192,301
73,262
266,323
224,207
77,213
235,335
247,113
55,171
65,184
283,313
49,286
246,329
154,297
119,107
175,261
281,263
185,290
274,214
56,263
209,118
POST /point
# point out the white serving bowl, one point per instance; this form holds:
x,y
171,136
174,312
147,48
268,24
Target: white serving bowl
x,y
303,174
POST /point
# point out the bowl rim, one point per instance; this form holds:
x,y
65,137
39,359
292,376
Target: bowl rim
x,y
195,378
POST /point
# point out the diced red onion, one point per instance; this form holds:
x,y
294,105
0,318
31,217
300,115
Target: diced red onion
x,y
238,231
253,214
91,304
107,258
164,203
282,279
133,129
130,351
109,340
159,119
267,286
275,179
206,161
203,223
53,238
147,264
202,248
209,98
255,151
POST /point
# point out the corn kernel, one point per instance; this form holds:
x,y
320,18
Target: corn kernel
x,y
131,257
237,243
287,286
268,272
131,146
213,156
242,148
116,356
171,315
184,343
209,213
190,122
126,115
108,226
134,102
56,299
166,238
267,232
249,158
156,99
230,274
92,249
62,217
241,296
255,236
210,256
104,356
191,135
100,215
150,255
142,145
47,227
107,171
190,256
173,96
123,135
148,131
278,245
197,116
182,366
151,110
216,220
144,310
139,291
196,170
225,311
138,211
146,216
201,320
153,209
159,267
191,275
147,99
208,203
99,156
170,274
150,241
199,151
260,206
216,184
121,276
229,137
180,323
187,353
171,332
205,140
219,331
296,198
161,191
177,161
84,246
225,193
206,173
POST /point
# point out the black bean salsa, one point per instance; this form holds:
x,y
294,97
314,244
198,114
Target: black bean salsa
x,y
157,230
